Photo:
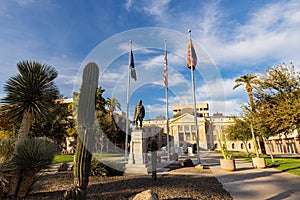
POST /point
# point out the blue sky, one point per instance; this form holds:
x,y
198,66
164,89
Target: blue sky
x,y
231,37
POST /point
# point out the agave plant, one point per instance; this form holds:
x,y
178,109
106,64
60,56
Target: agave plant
x,y
32,155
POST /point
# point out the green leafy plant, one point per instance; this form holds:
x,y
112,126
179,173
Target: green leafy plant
x,y
223,145
34,153
6,149
31,155
106,168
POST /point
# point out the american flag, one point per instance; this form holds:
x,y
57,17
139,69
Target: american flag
x,y
192,57
165,71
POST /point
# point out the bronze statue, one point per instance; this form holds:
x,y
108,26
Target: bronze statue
x,y
139,114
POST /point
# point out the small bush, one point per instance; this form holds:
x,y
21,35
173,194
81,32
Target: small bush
x,y
6,149
34,153
106,168
97,168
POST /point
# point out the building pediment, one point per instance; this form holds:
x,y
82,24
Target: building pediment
x,y
185,118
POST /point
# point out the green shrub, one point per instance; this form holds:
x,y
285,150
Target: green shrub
x,y
34,153
6,149
30,156
97,168
7,167
106,168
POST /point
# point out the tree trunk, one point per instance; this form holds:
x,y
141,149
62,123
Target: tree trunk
x,y
245,143
271,154
254,141
28,177
25,126
15,180
250,95
14,183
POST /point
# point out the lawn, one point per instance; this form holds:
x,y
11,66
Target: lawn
x,y
291,165
61,158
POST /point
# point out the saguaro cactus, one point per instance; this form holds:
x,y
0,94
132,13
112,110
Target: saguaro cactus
x,y
86,132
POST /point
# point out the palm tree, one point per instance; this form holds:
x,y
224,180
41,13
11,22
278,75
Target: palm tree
x,y
113,104
247,80
30,94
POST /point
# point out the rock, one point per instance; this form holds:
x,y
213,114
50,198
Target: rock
x,y
146,195
63,167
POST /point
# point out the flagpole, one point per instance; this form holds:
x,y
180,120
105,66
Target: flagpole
x,y
167,103
194,99
127,104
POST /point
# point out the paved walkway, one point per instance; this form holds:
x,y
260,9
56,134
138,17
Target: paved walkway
x,y
249,183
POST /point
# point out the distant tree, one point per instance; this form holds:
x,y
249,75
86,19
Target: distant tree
x,y
239,131
105,118
248,80
6,128
278,97
30,94
113,104
55,127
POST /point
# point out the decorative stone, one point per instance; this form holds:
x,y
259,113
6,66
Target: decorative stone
x,y
146,195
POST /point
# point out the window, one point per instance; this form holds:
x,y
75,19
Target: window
x,y
180,128
249,146
193,128
187,136
194,136
242,146
187,128
232,146
181,137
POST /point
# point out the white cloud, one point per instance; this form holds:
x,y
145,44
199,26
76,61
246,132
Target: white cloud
x,y
24,2
128,4
156,7
270,33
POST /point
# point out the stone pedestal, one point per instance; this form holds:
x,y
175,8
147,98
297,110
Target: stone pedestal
x,y
137,156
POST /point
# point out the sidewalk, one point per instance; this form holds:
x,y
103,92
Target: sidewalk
x,y
249,183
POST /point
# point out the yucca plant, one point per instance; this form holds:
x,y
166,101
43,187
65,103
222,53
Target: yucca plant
x,y
32,155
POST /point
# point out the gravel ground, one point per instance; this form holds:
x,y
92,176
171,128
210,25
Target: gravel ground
x,y
183,183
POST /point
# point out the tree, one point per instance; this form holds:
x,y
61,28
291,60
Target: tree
x,y
30,94
113,104
279,99
239,131
105,119
56,127
248,80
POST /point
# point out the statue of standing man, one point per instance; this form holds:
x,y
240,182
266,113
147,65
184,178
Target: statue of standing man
x,y
139,114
